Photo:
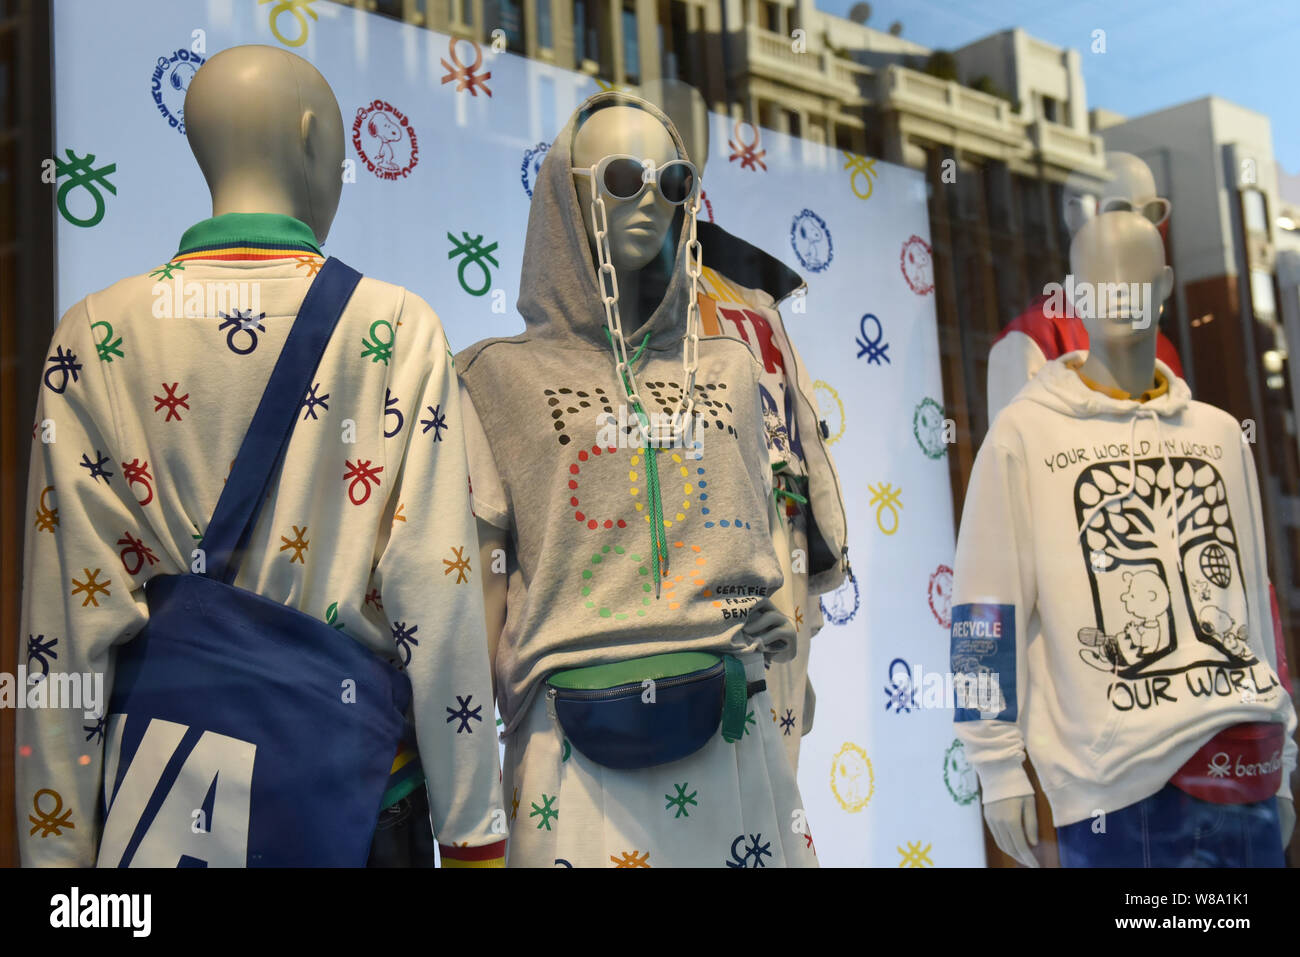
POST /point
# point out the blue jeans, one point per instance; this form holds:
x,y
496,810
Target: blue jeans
x,y
1174,829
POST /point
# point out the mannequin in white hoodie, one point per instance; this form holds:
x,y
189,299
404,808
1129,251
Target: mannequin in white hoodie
x,y
1129,761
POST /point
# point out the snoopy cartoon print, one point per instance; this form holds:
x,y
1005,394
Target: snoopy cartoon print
x,y
382,127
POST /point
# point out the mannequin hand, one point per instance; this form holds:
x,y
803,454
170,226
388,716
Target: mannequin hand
x,y
773,630
1014,824
1286,818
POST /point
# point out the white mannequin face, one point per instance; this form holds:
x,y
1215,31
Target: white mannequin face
x,y
637,226
1121,254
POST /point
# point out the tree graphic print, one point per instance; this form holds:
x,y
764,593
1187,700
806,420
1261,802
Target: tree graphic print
x,y
1161,555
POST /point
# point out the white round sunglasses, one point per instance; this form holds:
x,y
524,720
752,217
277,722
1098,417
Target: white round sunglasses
x,y
623,177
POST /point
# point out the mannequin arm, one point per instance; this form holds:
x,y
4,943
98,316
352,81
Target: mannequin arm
x,y
1014,825
1286,818
491,538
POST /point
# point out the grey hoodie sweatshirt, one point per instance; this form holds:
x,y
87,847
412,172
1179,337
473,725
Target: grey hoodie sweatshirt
x,y
1111,579
572,492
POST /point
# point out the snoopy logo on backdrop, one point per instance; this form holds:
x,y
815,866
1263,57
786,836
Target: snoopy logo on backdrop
x,y
928,427
170,80
830,409
839,606
391,148
939,595
811,240
853,780
916,261
531,166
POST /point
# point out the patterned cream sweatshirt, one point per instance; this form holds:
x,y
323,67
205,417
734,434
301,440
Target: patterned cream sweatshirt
x,y
147,391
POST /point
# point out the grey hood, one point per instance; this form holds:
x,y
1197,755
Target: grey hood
x,y
559,291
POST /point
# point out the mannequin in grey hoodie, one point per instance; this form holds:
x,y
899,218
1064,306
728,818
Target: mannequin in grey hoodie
x,y
560,489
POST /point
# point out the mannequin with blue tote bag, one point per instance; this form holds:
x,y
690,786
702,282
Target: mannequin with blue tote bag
x,y
235,742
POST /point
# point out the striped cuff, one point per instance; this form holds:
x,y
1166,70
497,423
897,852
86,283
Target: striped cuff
x,y
489,855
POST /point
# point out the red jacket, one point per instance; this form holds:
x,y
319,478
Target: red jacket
x,y
1055,337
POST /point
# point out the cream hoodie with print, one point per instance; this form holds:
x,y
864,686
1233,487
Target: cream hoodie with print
x,y
1111,584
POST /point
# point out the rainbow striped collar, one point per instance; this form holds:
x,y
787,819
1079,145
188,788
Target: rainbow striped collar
x,y
241,237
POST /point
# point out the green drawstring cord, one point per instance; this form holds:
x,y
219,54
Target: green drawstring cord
x,y
777,491
658,538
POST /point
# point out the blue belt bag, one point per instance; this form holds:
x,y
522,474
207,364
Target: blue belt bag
x,y
242,732
650,711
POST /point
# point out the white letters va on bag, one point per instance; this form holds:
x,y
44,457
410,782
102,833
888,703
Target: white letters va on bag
x,y
169,833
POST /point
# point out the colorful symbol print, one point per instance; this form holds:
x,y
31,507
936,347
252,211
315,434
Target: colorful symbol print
x,y
916,261
390,148
863,175
170,80
900,693
466,78
297,8
49,822
959,775
830,407
750,156
811,240
929,428
107,347
475,253
940,596
853,780
915,855
749,853
839,606
885,497
532,165
81,173
599,559
869,346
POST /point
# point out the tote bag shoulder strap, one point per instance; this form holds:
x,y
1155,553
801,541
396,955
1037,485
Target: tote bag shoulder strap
x,y
268,433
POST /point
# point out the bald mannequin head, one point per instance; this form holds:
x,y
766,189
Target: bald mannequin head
x,y
1130,179
268,136
685,106
637,227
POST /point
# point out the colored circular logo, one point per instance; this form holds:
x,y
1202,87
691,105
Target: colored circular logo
x,y
853,780
531,166
916,261
385,140
928,427
169,82
839,606
958,775
940,595
831,409
811,241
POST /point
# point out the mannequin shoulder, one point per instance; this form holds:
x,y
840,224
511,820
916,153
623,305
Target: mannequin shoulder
x,y
1216,421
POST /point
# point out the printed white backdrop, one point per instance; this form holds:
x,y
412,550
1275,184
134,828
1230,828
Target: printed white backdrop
x,y
881,780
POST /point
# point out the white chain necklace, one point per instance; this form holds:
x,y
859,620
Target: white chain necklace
x,y
681,417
